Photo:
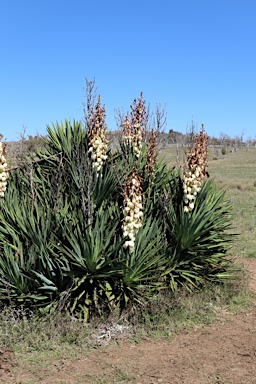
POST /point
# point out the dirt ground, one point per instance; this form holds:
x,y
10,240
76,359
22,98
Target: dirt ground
x,y
222,353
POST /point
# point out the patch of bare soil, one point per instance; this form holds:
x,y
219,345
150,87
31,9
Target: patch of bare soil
x,y
222,353
7,361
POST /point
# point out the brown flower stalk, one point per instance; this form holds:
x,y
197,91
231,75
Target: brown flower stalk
x,y
151,157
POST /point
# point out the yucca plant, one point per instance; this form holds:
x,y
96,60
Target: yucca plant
x,y
27,260
90,235
196,219
199,240
56,210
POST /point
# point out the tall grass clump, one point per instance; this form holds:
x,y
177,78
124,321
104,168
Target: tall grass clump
x,y
89,229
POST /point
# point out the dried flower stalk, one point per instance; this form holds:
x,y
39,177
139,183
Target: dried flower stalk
x,y
151,157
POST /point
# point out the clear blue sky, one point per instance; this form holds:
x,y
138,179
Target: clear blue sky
x,y
196,56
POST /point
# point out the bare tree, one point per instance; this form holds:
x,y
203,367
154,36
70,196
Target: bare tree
x,y
158,119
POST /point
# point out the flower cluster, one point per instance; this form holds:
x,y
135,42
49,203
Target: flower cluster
x,y
196,170
3,168
151,158
134,126
98,144
191,187
133,209
132,136
137,141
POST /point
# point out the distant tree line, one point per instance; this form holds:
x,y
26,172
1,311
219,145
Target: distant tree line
x,y
224,143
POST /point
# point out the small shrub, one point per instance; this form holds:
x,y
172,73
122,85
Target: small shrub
x,y
224,151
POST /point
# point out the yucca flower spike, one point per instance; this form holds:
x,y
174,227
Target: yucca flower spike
x,y
98,143
195,170
134,126
133,209
3,168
